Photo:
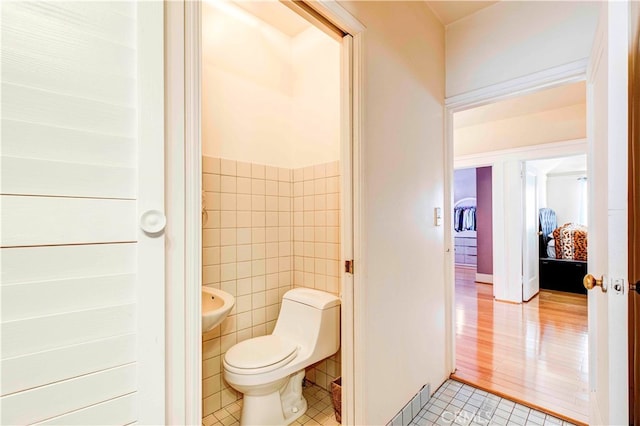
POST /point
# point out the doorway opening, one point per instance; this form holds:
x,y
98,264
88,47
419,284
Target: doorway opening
x,y
273,136
472,222
560,200
521,315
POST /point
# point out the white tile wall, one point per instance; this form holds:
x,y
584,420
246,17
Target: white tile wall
x,y
253,233
246,252
316,243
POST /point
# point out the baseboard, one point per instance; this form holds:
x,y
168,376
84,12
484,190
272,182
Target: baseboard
x,y
484,278
412,408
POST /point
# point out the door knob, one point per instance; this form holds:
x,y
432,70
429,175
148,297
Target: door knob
x,y
153,221
590,282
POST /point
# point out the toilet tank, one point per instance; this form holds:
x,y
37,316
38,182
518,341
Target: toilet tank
x,y
312,319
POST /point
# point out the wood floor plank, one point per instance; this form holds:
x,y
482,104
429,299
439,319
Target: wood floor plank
x,y
535,352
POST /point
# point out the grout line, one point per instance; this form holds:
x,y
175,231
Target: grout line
x,y
508,411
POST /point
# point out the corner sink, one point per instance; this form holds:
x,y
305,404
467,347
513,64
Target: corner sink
x,y
216,305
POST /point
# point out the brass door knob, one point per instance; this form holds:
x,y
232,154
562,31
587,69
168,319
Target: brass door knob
x,y
589,282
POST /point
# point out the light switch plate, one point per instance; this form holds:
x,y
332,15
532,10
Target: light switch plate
x,y
438,216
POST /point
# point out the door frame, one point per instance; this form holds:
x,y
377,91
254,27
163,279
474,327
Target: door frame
x,y
184,221
634,211
183,185
557,76
526,209
608,52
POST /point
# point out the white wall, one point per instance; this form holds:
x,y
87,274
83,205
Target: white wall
x,y
403,274
268,98
315,105
564,195
246,99
464,184
542,190
507,229
555,125
512,39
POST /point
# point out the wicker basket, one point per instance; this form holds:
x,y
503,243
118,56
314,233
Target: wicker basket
x,y
336,396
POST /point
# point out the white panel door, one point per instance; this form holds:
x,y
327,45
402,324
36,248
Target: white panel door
x,y
81,284
530,255
607,86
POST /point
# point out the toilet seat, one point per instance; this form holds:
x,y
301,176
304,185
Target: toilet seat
x,y
260,355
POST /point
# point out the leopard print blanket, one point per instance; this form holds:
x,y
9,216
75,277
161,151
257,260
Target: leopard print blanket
x,y
571,242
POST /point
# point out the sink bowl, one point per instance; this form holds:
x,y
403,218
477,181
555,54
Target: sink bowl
x,y
216,305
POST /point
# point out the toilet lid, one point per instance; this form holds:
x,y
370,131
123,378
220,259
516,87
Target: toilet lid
x,y
261,352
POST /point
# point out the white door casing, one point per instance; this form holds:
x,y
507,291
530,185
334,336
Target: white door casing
x,y
150,213
352,200
184,208
530,277
183,36
508,239
607,104
347,291
607,182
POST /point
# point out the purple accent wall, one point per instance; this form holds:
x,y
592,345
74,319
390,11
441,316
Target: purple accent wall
x,y
483,220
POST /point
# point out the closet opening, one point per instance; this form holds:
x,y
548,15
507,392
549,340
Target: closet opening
x,y
472,223
520,238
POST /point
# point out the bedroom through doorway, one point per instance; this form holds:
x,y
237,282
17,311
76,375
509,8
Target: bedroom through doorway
x,y
520,238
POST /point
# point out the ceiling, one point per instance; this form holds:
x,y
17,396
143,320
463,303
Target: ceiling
x,y
449,11
276,15
545,100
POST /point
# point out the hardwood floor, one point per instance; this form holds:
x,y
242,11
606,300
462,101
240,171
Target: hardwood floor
x,y
535,352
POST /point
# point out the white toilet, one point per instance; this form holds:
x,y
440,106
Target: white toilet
x,y
269,370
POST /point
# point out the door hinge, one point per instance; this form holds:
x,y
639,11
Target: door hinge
x,y
348,266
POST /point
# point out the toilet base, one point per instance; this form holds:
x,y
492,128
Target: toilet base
x,y
281,407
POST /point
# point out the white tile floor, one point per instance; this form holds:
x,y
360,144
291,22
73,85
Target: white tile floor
x,y
320,407
455,403
319,411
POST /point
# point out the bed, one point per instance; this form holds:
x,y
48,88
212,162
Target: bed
x,y
563,254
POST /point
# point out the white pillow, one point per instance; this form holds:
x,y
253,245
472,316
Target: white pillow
x,y
551,249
